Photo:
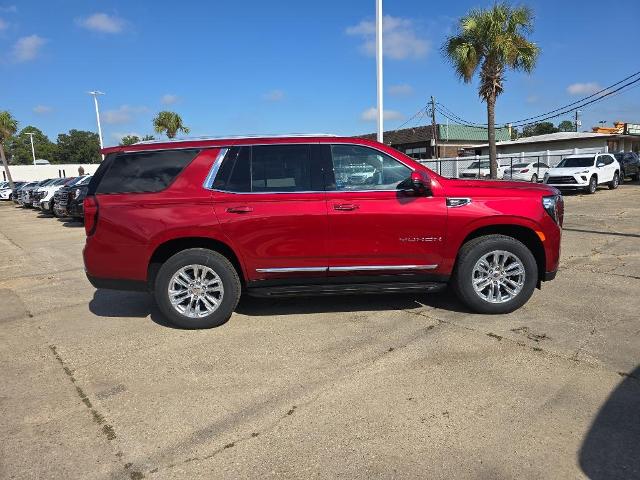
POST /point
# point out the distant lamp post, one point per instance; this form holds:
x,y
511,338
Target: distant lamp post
x,y
33,150
95,94
380,94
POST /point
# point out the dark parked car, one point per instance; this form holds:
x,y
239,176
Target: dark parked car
x,y
629,165
75,197
60,199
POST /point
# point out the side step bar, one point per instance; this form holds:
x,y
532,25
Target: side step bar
x,y
346,289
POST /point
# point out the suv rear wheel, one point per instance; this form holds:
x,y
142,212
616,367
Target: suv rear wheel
x,y
613,184
495,274
197,288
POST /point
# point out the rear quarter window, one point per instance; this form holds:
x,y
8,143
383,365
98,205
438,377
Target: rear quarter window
x,y
138,172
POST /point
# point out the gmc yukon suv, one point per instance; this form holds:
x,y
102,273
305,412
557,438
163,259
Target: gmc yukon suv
x,y
197,222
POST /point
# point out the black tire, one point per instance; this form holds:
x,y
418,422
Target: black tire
x,y
475,249
220,265
635,177
593,185
534,178
621,179
615,183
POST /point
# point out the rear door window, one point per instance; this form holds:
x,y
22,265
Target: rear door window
x,y
138,172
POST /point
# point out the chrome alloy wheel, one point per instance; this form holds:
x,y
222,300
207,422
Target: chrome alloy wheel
x,y
498,276
195,291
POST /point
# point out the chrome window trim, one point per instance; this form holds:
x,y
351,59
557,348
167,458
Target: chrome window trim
x,y
215,167
218,161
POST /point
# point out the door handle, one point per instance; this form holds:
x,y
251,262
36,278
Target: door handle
x,y
345,206
242,209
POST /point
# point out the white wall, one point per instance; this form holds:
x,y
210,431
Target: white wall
x,y
42,172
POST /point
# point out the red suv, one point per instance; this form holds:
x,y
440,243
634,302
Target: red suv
x,y
197,222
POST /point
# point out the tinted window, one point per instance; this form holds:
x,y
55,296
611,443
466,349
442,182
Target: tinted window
x,y
143,171
235,172
280,168
361,168
576,162
606,159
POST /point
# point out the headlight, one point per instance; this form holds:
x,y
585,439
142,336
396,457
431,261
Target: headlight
x,y
554,206
76,194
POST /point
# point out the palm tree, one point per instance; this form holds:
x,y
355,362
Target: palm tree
x,y
8,128
169,123
492,40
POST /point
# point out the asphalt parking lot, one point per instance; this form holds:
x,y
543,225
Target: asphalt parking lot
x,y
95,384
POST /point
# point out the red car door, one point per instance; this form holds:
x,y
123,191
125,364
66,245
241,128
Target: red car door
x,y
374,227
271,204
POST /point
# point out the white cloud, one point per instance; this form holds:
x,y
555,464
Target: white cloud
x,y
371,114
169,99
3,25
102,22
124,114
400,39
9,9
27,48
274,96
583,88
42,109
400,90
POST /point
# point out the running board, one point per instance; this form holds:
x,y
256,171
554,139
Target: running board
x,y
346,289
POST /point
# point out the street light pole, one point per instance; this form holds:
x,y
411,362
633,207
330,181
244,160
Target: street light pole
x,y
379,69
33,150
95,94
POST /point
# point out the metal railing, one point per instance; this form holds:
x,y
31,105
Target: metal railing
x,y
478,166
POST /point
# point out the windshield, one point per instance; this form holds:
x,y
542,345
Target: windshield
x,y
479,165
84,181
576,162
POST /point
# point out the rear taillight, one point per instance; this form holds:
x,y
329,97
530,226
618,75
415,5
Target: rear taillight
x,y
90,207
524,171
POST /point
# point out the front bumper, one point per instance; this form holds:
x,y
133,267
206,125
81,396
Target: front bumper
x,y
567,181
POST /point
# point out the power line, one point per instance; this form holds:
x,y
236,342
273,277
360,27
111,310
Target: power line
x,y
563,110
422,110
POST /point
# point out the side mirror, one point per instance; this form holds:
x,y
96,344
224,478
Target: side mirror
x,y
600,164
418,184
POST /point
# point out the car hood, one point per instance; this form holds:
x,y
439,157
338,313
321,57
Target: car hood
x,y
496,188
568,170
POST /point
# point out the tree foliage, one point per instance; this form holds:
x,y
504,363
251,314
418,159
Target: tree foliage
x,y
489,42
169,123
78,146
566,126
19,147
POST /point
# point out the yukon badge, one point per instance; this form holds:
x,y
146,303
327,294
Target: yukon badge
x,y
420,239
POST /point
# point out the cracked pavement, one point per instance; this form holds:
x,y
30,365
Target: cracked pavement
x,y
96,385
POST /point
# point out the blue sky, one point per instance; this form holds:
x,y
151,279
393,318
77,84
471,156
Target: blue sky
x,y
284,66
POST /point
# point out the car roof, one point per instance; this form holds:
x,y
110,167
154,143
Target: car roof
x,y
213,142
583,155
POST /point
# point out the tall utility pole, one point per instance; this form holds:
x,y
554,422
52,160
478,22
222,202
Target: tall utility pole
x,y
379,69
95,94
434,136
33,150
578,122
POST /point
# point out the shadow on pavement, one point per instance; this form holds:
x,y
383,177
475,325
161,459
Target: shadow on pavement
x,y
255,306
115,303
611,448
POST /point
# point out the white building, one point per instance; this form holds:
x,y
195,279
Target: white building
x,y
42,172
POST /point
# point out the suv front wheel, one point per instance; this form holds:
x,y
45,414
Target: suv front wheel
x,y
197,288
495,274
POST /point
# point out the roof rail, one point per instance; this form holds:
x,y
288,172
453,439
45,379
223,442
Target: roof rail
x,y
234,137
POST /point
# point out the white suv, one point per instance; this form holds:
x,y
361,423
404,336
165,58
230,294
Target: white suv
x,y
585,172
